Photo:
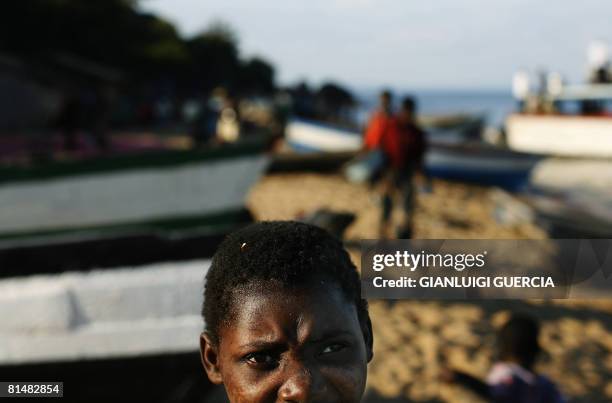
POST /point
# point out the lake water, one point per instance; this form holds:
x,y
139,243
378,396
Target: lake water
x,y
495,105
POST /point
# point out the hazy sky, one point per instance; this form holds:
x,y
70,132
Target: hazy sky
x,y
404,43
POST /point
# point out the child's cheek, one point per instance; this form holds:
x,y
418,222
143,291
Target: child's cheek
x,y
246,387
349,382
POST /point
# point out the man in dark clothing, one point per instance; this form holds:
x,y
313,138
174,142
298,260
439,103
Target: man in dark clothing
x,y
404,146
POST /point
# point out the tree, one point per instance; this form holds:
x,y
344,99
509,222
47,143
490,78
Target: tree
x,y
147,49
214,57
334,101
256,77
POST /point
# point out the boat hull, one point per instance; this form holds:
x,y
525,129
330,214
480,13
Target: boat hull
x,y
480,165
311,137
576,136
128,210
474,163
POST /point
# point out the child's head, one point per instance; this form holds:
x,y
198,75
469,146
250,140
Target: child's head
x,y
386,100
408,109
518,340
284,317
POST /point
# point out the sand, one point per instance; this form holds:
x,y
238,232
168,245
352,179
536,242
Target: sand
x,y
415,339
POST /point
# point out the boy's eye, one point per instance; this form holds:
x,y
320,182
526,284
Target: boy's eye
x,y
262,359
333,348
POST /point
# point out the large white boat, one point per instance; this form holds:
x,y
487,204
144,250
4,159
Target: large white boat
x,y
125,208
564,134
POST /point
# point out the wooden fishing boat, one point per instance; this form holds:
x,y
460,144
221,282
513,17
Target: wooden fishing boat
x,y
124,209
564,134
481,164
473,162
82,327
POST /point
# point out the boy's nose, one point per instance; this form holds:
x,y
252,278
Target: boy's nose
x,y
301,385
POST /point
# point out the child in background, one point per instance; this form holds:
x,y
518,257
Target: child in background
x,y
512,379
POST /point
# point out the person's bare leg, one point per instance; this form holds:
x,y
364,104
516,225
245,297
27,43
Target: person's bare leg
x,y
385,228
408,194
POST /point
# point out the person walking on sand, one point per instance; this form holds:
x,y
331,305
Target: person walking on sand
x,y
378,137
407,162
380,122
403,145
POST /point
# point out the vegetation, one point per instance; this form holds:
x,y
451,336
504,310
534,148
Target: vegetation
x,y
144,47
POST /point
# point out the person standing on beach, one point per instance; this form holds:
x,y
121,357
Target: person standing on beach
x,y
380,123
378,137
403,145
407,162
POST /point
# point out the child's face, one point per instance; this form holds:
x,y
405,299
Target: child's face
x,y
286,345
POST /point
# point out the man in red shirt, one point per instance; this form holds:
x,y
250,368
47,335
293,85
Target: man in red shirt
x,y
380,123
403,144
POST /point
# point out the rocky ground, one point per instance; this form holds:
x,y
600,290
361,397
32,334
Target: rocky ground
x,y
414,339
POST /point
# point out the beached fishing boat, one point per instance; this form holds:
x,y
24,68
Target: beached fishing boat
x,y
570,215
306,136
102,314
311,136
570,198
81,327
481,164
574,196
124,209
470,162
561,134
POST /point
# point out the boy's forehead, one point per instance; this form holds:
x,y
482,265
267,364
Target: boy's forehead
x,y
276,308
314,286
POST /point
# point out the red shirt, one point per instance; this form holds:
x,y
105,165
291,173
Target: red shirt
x,y
401,143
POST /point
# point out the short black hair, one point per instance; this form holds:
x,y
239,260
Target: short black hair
x,y
409,103
518,338
386,93
289,253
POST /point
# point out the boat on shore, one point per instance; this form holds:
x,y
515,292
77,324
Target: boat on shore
x,y
124,209
102,265
80,327
313,136
574,196
557,133
474,162
481,164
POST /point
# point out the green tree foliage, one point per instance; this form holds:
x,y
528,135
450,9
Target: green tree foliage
x,y
335,100
256,76
214,56
145,47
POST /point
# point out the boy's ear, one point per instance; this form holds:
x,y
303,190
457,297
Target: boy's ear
x,y
368,337
209,354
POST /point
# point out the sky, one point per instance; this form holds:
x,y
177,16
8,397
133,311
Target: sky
x,y
434,44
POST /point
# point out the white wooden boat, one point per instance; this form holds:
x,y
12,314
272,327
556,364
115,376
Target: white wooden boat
x,y
562,134
127,311
574,196
81,327
577,136
105,208
469,162
310,136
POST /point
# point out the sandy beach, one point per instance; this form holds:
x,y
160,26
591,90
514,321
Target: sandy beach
x,y
414,339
